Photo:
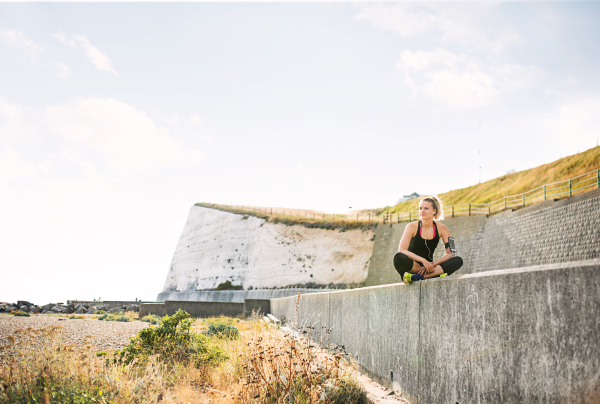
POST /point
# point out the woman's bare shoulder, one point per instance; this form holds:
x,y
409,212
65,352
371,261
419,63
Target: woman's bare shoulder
x,y
442,227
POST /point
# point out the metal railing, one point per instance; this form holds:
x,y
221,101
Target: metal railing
x,y
555,190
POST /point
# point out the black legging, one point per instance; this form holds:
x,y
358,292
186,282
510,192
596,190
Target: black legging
x,y
404,264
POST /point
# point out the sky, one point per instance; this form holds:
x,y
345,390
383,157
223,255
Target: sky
x,y
115,118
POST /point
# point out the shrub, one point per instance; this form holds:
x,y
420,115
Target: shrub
x,y
100,312
223,331
123,319
103,317
53,372
21,314
151,318
174,342
228,286
76,317
207,322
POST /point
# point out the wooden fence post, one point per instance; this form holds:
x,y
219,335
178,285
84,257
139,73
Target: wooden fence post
x,y
469,209
452,210
489,209
504,203
410,216
523,200
598,178
544,193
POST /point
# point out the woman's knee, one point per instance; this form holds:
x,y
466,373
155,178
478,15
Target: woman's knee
x,y
452,265
402,263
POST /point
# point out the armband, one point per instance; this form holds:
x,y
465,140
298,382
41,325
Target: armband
x,y
450,244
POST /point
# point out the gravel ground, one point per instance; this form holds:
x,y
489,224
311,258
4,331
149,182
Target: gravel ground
x,y
107,335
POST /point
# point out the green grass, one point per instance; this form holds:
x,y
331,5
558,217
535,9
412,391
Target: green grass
x,y
511,184
486,192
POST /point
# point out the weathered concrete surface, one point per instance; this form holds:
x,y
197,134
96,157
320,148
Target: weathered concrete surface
x,y
157,309
237,296
205,309
257,306
567,230
284,307
517,335
379,325
315,315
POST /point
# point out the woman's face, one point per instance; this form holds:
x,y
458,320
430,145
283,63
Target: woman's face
x,y
426,210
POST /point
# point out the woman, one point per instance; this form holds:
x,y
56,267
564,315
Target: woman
x,y
414,259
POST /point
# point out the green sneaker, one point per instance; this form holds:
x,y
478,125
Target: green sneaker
x,y
407,277
442,275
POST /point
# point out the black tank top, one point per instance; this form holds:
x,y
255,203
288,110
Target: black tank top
x,y
417,244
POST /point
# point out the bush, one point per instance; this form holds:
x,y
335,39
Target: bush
x,y
228,286
103,317
21,314
207,322
76,317
151,318
223,331
53,372
174,342
100,312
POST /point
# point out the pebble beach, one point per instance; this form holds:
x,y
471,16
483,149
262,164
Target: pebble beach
x,y
105,335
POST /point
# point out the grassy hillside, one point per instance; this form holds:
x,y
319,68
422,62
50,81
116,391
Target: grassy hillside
x,y
512,184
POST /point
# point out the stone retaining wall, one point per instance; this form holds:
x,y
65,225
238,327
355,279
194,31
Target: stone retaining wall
x,y
513,336
565,230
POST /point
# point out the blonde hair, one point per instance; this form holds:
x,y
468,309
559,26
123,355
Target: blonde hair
x,y
437,205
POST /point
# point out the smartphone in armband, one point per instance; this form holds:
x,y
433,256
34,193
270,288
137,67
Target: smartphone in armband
x,y
451,244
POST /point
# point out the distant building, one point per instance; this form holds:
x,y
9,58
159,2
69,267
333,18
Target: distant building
x,y
407,197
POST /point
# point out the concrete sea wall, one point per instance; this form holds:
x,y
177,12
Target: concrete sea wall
x,y
517,335
565,230
208,308
234,296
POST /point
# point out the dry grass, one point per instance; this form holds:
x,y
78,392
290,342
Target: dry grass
x,y
327,221
265,366
511,184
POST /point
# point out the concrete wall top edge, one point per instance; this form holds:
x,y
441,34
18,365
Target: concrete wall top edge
x,y
537,268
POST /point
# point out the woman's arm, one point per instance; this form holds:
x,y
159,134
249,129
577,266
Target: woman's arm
x,y
444,233
409,232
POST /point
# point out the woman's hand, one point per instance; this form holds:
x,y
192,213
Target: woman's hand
x,y
427,267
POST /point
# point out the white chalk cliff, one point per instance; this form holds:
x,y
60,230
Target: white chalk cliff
x,y
217,246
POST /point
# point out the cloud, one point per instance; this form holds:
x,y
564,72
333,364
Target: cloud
x,y
10,111
195,118
17,40
13,166
94,55
127,136
476,74
462,80
62,69
576,124
473,26
421,60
